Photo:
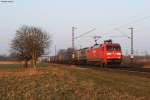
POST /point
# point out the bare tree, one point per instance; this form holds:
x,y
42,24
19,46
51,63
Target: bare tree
x,y
30,43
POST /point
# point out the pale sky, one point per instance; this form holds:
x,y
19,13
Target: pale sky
x,y
58,16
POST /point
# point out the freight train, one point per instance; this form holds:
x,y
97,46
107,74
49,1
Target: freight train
x,y
107,53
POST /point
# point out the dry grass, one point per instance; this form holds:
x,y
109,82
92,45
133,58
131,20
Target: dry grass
x,y
60,82
11,62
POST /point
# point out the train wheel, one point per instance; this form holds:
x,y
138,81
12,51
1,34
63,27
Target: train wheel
x,y
103,65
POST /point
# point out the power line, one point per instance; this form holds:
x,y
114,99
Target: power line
x,y
132,22
83,34
123,33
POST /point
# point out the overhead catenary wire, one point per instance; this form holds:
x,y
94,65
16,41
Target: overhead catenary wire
x,y
83,34
133,22
117,28
123,33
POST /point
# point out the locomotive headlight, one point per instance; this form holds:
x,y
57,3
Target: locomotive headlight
x,y
108,54
118,54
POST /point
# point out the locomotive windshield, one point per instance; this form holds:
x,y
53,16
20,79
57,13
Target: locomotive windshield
x,y
113,47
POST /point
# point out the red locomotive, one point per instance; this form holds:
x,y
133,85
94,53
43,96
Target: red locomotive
x,y
107,53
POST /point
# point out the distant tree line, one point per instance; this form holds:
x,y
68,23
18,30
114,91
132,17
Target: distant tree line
x,y
10,57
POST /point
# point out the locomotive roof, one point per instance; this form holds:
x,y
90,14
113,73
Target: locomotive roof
x,y
98,45
112,44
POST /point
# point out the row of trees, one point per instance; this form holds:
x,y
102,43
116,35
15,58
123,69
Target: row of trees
x,y
10,57
30,43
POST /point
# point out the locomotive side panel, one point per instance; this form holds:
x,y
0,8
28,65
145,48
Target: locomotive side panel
x,y
95,54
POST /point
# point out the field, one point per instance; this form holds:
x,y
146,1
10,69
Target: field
x,y
64,82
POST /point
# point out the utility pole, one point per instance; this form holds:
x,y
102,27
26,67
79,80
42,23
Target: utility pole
x,y
73,41
73,37
132,48
55,50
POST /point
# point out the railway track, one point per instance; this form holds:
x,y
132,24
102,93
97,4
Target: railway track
x,y
130,69
136,69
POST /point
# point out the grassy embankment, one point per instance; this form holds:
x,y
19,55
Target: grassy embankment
x,y
62,82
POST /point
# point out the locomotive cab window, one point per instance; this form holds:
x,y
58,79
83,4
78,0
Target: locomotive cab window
x,y
113,48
